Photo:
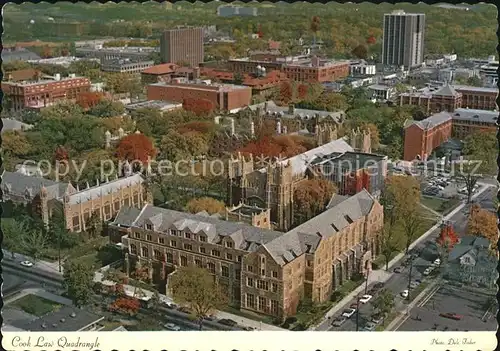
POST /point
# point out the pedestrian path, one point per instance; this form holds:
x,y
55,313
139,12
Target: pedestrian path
x,y
146,295
52,267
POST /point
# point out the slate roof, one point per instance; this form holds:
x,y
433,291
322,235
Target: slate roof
x,y
306,237
245,236
126,216
281,111
465,114
473,245
20,184
53,321
19,55
301,162
105,188
446,90
432,121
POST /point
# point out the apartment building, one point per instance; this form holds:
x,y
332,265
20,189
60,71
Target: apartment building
x,y
125,65
182,45
109,53
226,97
477,97
403,40
261,270
469,121
44,93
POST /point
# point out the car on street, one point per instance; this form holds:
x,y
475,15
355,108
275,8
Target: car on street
x,y
348,313
228,322
365,298
418,281
414,284
171,327
249,329
27,264
337,322
378,286
428,270
436,262
370,326
453,316
405,293
210,317
398,269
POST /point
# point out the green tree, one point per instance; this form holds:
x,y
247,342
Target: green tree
x,y
13,231
94,226
388,243
238,78
196,288
35,244
384,302
412,223
78,282
474,81
107,108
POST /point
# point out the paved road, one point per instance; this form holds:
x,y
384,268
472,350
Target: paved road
x,y
399,282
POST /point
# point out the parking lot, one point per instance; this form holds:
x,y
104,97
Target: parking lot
x,y
469,304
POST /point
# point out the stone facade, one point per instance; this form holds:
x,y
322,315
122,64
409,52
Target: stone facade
x,y
262,270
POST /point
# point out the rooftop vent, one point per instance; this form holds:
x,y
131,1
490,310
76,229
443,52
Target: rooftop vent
x,y
334,227
475,116
348,219
62,320
54,325
44,325
72,315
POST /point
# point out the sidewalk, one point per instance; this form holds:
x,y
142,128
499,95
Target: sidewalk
x,y
246,322
41,293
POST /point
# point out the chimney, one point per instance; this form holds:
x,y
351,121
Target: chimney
x,y
315,61
252,129
265,106
196,73
233,131
278,127
291,109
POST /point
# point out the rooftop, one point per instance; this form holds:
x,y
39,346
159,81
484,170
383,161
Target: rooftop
x,y
465,114
29,186
432,121
355,160
165,68
65,319
154,104
477,89
221,87
44,81
12,124
124,61
271,108
247,210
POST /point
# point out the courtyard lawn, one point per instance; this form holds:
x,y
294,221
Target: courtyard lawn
x,y
443,206
35,305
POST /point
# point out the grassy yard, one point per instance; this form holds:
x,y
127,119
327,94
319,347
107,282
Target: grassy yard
x,y
35,305
443,206
98,254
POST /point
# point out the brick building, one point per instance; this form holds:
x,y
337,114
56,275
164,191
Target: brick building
x,y
43,93
159,73
182,45
225,97
260,270
448,98
125,65
301,68
422,137
468,121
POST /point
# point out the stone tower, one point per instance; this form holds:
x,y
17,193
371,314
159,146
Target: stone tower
x,y
360,140
325,134
279,191
237,171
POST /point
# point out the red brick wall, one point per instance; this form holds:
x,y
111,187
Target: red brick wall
x,y
413,144
239,98
423,142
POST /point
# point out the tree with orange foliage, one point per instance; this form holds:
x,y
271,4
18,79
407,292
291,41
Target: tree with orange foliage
x,y
46,52
302,91
286,92
311,197
371,40
136,147
208,204
483,223
87,100
203,127
61,154
289,145
200,107
125,305
262,147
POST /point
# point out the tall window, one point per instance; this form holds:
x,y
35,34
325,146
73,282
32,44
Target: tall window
x,y
133,249
250,301
225,271
188,247
184,261
169,257
211,267
274,307
76,222
216,253
197,262
144,252
117,205
250,282
262,304
157,255
136,200
126,201
107,211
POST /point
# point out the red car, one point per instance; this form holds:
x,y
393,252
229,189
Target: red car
x,y
453,316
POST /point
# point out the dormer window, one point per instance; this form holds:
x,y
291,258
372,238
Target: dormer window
x,y
203,238
229,244
148,226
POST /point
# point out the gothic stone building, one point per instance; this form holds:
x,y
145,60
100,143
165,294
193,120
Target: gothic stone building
x,y
43,196
261,270
273,186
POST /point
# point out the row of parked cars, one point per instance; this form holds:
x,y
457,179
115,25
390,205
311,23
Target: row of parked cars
x,y
353,308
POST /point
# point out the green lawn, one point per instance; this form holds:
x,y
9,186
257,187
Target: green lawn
x,y
35,305
443,206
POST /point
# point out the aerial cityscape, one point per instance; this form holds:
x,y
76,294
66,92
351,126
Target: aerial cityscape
x,y
249,167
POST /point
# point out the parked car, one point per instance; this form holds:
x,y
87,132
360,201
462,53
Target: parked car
x,y
210,317
398,269
248,329
436,262
171,327
365,298
184,309
354,306
348,313
453,316
428,271
418,281
378,319
370,326
337,322
27,264
378,286
405,293
228,322
414,284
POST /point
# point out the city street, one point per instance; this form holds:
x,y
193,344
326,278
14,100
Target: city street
x,y
399,281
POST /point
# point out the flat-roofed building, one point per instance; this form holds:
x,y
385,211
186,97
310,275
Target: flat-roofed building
x,y
182,45
125,65
468,121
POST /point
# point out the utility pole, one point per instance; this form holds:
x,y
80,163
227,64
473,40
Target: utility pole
x,y
357,314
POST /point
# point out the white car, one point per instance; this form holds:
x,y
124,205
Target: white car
x,y
348,312
365,298
436,262
428,270
405,293
27,264
172,327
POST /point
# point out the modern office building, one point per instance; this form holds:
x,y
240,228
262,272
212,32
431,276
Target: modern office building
x,y
182,45
403,43
230,11
125,65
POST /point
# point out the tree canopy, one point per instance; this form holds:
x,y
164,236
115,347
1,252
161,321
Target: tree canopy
x,y
208,204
